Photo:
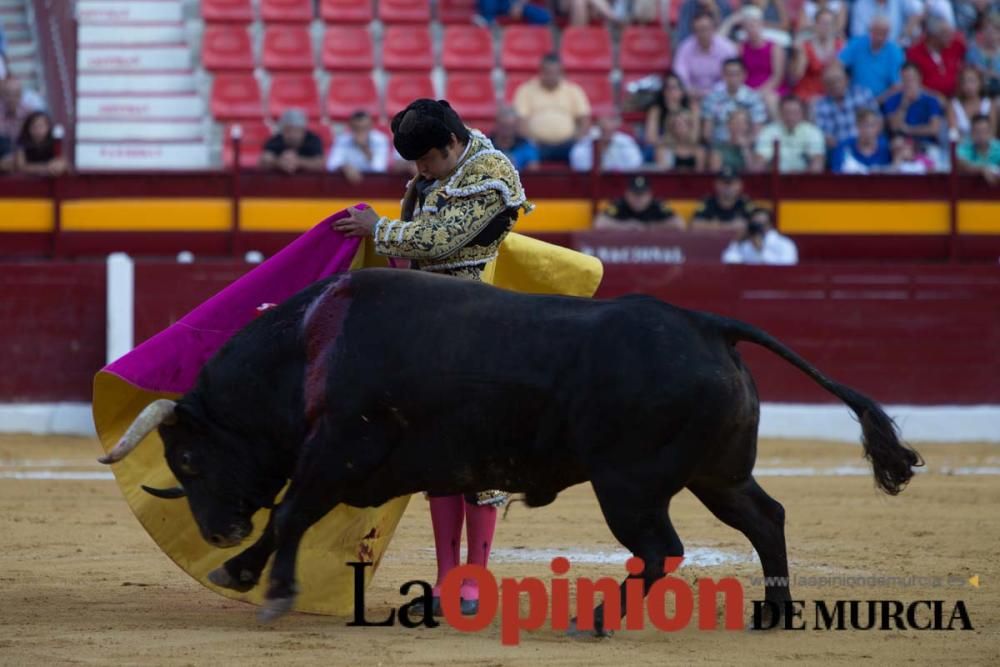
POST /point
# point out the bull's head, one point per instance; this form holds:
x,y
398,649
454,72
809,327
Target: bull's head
x,y
224,479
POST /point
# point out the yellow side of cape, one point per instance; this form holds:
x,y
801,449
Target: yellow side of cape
x,y
345,534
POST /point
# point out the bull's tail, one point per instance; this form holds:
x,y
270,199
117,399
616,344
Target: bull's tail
x,y
893,460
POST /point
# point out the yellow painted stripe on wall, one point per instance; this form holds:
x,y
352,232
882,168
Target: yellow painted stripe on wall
x,y
555,215
979,217
147,215
295,215
863,217
26,215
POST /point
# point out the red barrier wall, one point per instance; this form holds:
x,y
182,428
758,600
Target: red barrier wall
x,y
918,334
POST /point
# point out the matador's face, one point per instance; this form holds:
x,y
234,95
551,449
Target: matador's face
x,y
438,163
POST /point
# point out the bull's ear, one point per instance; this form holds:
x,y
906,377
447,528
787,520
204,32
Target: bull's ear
x,y
167,494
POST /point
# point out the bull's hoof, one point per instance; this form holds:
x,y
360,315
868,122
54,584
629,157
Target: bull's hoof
x,y
576,633
221,577
274,608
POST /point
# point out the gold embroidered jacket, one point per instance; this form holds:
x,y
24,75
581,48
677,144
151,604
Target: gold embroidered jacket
x,y
459,222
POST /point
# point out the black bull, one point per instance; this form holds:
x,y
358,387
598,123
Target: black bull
x,y
380,383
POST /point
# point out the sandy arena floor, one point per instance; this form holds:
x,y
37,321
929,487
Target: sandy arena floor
x,y
81,582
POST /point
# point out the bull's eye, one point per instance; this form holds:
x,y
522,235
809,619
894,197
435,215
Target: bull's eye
x,y
187,463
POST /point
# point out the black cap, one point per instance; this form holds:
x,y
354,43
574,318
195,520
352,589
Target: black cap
x,y
638,183
727,173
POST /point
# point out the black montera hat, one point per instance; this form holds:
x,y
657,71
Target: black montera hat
x,y
425,124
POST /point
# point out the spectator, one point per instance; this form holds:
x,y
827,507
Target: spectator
x,y
836,112
4,66
908,157
506,139
912,111
679,150
361,149
771,13
865,153
3,41
555,111
811,11
901,18
800,142
814,55
579,11
727,208
690,9
699,59
294,148
638,209
16,104
519,10
872,60
970,15
984,53
938,56
732,93
761,244
36,147
737,152
618,150
672,99
980,153
970,101
763,59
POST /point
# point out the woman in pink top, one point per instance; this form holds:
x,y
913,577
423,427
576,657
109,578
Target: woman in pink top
x,y
814,54
764,60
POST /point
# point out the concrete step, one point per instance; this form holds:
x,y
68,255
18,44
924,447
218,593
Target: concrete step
x,y
191,131
98,12
110,84
141,155
140,108
139,36
133,60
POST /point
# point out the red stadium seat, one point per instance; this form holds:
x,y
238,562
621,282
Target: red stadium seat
x,y
255,134
293,91
523,46
404,88
325,135
236,96
407,48
513,82
350,92
456,11
227,48
286,11
346,11
599,92
404,11
347,47
287,47
645,50
226,11
586,49
467,47
471,94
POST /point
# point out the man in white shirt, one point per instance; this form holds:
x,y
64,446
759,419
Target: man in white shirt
x,y
801,144
761,244
361,149
619,151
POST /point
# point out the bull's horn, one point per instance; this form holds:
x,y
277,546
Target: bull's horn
x,y
160,411
168,494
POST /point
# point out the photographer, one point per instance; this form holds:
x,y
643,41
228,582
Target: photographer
x,y
761,244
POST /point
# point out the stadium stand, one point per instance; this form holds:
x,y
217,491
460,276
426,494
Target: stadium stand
x,y
522,47
254,134
348,47
226,48
406,47
466,47
287,48
346,11
348,92
138,104
293,90
586,49
456,11
473,96
644,50
236,97
286,11
404,11
403,88
599,92
227,11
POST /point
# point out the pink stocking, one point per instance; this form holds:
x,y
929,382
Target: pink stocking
x,y
447,513
481,522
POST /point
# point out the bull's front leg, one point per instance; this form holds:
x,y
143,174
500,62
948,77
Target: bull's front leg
x,y
305,504
242,572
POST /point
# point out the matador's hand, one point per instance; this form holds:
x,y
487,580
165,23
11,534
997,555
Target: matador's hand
x,y
359,222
